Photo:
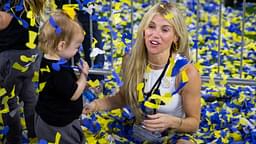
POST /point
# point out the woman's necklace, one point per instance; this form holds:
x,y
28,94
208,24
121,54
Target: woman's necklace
x,y
156,65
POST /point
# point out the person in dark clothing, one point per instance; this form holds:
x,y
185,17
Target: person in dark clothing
x,y
237,3
60,103
84,19
19,59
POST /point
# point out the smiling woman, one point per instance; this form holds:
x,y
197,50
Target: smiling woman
x,y
161,86
159,36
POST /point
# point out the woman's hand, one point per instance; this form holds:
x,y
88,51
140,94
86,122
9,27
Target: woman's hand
x,y
160,122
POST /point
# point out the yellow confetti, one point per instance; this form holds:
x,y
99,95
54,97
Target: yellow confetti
x,y
41,87
47,69
94,84
170,68
116,18
35,77
151,105
217,133
128,2
148,69
140,92
117,6
165,98
243,121
211,80
19,67
241,97
6,107
236,136
2,91
12,92
199,67
32,18
32,37
26,59
214,20
57,138
168,16
94,42
184,76
69,9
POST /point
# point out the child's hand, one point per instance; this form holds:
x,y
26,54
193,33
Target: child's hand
x,y
90,107
84,67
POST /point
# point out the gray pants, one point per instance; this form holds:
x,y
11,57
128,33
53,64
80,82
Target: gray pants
x,y
11,77
70,134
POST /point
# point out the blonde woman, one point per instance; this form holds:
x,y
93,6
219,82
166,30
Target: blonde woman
x,y
161,86
18,62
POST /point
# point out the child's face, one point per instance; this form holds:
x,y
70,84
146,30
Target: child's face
x,y
70,50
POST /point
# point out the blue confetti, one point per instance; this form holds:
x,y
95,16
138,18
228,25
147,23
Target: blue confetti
x,y
55,25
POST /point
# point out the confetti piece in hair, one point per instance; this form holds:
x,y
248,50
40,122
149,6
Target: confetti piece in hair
x,y
7,6
168,16
55,25
19,7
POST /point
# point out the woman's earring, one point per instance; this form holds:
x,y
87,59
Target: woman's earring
x,y
175,47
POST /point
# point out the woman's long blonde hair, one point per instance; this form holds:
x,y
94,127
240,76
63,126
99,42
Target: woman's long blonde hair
x,y
37,6
136,64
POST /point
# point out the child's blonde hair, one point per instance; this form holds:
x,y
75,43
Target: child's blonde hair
x,y
49,38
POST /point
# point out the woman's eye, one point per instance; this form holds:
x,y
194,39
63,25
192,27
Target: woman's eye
x,y
165,30
151,26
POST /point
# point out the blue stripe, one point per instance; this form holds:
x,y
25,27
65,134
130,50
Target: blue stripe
x,y
178,65
182,84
